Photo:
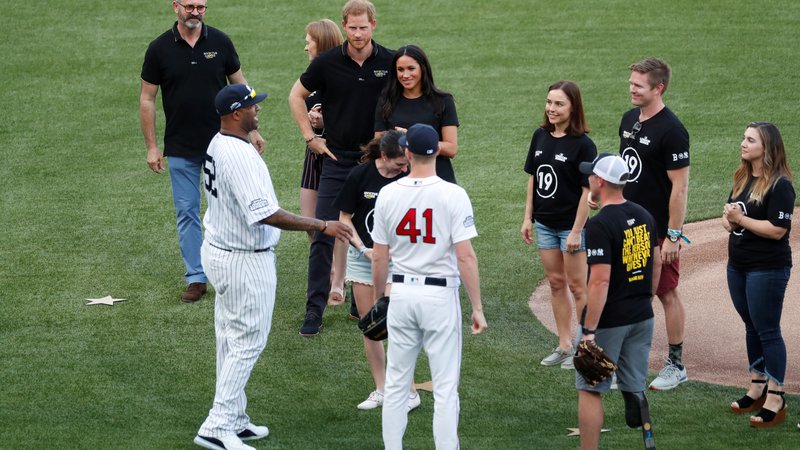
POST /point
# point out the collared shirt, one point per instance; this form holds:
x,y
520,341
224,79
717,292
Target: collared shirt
x,y
190,78
350,93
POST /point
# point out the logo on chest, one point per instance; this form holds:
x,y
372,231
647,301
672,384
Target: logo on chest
x,y
370,195
561,158
210,55
380,73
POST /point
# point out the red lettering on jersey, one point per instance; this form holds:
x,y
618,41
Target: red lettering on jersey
x,y
408,226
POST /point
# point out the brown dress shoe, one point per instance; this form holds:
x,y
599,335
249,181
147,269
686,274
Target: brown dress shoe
x,y
193,292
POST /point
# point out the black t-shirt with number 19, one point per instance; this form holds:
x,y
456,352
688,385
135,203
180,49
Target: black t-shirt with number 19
x,y
748,251
553,163
624,236
358,196
662,144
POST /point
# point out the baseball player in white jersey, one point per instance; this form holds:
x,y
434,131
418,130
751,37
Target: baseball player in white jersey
x,y
243,223
425,225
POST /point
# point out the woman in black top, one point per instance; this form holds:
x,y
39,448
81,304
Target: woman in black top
x,y
412,97
556,206
321,35
758,216
383,162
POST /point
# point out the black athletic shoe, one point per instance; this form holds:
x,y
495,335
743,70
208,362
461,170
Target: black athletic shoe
x,y
311,325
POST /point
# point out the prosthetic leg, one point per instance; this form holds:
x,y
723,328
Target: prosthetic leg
x,y
637,415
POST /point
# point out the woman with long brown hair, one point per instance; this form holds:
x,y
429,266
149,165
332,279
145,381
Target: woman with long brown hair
x,y
758,216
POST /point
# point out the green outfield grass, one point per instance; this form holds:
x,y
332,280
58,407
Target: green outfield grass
x,y
83,216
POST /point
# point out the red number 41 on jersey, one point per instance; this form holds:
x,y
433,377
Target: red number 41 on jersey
x,y
408,226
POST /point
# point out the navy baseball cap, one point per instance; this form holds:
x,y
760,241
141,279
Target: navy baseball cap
x,y
236,96
421,139
607,166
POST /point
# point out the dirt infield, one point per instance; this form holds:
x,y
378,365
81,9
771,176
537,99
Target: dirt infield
x,y
714,348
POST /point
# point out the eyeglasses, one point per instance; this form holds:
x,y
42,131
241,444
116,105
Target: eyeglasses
x,y
637,127
190,8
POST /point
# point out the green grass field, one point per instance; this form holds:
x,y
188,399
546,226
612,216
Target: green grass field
x,y
83,216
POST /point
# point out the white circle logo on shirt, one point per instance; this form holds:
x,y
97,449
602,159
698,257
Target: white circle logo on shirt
x,y
546,181
634,162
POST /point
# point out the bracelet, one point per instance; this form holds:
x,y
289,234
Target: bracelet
x,y
585,331
362,251
310,139
324,227
679,234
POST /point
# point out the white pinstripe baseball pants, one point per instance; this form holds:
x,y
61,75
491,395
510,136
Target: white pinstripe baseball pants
x,y
245,298
426,317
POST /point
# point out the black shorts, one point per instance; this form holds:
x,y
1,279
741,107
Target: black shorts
x,y
312,168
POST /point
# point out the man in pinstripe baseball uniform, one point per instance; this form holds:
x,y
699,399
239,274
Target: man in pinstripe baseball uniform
x,y
426,225
243,223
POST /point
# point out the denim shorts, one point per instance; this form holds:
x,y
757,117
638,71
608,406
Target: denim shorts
x,y
549,238
359,268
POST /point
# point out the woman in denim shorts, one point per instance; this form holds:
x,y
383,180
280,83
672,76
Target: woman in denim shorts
x,y
556,204
382,163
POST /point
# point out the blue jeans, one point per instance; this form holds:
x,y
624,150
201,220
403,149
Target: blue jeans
x,y
185,175
758,298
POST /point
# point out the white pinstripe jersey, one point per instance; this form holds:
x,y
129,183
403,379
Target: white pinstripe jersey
x,y
421,219
239,193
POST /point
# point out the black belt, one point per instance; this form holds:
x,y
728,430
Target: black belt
x,y
254,251
429,281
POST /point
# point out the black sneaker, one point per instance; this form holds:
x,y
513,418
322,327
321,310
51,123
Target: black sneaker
x,y
311,325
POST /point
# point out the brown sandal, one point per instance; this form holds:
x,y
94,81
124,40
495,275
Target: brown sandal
x,y
747,403
769,417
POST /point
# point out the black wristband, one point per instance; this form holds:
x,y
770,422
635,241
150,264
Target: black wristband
x,y
585,331
310,139
325,227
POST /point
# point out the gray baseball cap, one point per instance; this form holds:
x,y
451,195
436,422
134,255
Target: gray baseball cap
x,y
607,166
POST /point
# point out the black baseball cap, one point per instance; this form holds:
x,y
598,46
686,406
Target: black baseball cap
x,y
420,139
236,96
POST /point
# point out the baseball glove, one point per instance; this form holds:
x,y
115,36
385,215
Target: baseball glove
x,y
592,363
373,324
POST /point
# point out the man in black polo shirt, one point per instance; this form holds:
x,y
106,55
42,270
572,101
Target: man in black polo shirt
x,y
191,62
351,77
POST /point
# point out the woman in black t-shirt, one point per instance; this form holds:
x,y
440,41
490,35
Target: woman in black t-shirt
x,y
758,216
321,36
556,203
383,162
412,97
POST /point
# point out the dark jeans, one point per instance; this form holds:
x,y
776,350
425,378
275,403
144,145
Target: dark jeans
x,y
319,258
758,298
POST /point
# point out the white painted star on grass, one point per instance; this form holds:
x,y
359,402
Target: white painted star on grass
x,y
577,431
107,300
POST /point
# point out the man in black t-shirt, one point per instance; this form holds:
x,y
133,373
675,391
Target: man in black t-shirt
x,y
622,250
655,145
190,63
351,77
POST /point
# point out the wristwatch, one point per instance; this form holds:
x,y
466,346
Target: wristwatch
x,y
673,237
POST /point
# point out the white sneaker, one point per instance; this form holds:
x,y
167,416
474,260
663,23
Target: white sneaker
x,y
252,432
374,400
414,401
230,442
558,356
567,364
614,381
669,377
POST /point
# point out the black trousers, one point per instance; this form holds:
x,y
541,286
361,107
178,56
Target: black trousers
x,y
319,258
